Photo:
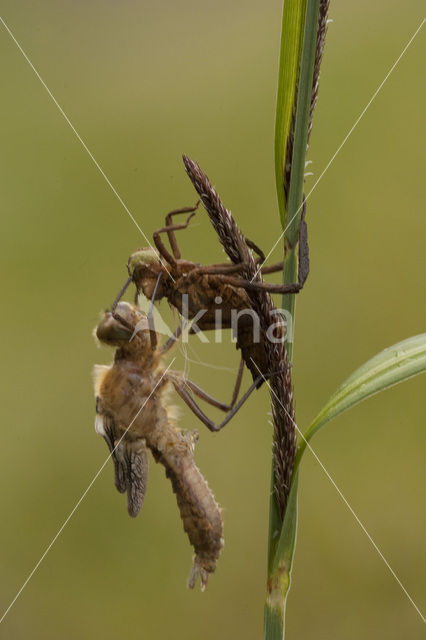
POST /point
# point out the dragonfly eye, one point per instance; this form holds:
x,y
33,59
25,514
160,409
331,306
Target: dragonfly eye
x,y
123,326
112,332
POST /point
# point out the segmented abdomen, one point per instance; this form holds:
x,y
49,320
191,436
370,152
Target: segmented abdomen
x,y
200,513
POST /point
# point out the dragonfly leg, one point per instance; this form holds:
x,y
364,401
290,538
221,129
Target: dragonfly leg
x,y
230,269
169,229
273,268
114,313
150,315
293,287
261,256
181,389
171,341
215,269
217,403
120,294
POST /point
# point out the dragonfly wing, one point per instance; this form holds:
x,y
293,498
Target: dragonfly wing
x,y
106,427
135,459
130,462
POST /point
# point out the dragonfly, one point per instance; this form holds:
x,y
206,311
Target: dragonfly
x,y
133,415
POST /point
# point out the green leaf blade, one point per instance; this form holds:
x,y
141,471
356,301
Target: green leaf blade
x,y
389,367
291,43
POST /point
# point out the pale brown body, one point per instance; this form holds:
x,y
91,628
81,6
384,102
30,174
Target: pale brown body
x,y
132,415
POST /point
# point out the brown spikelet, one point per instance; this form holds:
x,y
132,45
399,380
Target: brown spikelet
x,y
321,33
234,243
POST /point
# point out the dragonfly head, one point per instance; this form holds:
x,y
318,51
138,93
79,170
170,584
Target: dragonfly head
x,y
127,328
144,267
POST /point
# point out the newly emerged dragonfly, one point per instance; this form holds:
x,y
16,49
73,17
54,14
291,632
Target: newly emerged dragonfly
x,y
206,292
133,415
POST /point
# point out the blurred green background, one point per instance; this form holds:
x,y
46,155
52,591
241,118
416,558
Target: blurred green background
x,y
142,83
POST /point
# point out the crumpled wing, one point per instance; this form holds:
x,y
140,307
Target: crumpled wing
x,y
134,461
130,462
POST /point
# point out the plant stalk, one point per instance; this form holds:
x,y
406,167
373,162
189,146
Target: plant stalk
x,y
297,175
282,534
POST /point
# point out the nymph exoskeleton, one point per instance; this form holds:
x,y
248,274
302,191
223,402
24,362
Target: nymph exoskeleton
x,y
133,414
201,291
